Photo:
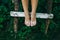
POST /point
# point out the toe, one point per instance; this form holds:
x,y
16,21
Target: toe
x,y
33,23
27,23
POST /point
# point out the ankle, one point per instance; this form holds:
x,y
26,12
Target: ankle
x,y
33,13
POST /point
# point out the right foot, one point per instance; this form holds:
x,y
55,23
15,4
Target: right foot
x,y
33,19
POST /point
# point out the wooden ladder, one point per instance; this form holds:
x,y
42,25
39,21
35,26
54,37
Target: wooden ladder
x,y
46,16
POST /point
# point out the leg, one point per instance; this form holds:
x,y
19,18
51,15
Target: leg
x,y
33,13
25,7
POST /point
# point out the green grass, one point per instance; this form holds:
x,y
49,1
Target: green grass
x,y
29,33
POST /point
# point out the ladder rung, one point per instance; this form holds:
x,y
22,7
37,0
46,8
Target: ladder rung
x,y
38,15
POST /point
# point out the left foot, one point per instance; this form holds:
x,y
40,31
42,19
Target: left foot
x,y
27,19
33,19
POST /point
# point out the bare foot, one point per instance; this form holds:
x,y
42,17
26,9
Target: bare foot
x,y
27,19
33,19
